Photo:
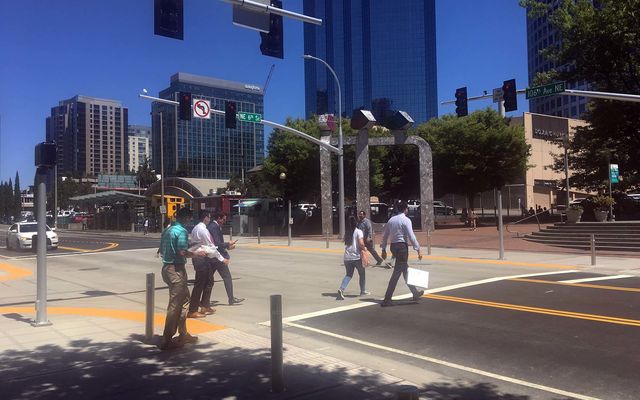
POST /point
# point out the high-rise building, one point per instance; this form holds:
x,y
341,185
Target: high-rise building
x,y
540,35
139,145
384,53
205,148
91,135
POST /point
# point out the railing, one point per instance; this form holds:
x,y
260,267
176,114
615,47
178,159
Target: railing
x,y
524,219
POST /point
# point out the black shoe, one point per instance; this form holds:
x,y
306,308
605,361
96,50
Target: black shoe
x,y
386,303
235,300
418,296
379,263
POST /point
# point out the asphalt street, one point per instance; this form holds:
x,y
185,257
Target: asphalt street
x,y
536,327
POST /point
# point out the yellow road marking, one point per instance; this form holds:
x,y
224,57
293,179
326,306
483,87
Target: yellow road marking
x,y
13,272
436,258
537,310
194,326
587,285
109,247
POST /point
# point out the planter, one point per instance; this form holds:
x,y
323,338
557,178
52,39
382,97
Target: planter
x,y
601,216
573,216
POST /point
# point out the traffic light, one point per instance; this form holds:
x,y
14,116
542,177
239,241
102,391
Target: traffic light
x,y
230,114
168,18
509,95
461,102
185,106
272,43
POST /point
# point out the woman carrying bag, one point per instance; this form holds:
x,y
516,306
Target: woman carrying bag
x,y
355,257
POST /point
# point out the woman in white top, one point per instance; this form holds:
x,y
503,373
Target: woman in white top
x,y
353,244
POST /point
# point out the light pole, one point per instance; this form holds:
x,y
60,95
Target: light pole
x,y
174,104
341,154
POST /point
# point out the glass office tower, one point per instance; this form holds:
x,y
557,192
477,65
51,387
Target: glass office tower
x,y
384,53
204,148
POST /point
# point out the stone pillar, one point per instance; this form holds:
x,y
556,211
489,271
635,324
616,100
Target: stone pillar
x,y
362,172
325,188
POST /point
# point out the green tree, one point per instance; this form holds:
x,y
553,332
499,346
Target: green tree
x,y
145,175
600,44
476,153
17,198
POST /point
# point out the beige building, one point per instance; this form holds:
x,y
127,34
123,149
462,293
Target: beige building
x,y
545,134
139,149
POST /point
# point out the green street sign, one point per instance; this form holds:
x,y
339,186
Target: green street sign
x,y
614,173
248,117
545,90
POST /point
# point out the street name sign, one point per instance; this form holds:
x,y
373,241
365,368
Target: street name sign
x,y
614,173
248,117
545,90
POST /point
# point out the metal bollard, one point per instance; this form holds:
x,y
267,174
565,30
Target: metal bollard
x,y
408,392
151,289
326,234
230,232
258,235
593,249
277,379
428,242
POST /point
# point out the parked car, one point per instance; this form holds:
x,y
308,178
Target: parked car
x,y
20,236
439,208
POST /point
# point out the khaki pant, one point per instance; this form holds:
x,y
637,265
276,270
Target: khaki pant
x,y
175,276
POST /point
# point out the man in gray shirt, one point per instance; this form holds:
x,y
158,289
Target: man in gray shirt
x,y
364,224
399,232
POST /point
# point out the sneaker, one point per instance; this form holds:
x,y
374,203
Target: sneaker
x,y
170,345
418,296
196,314
187,338
340,295
235,300
365,293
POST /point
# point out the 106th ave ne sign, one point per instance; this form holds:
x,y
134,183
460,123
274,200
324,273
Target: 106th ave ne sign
x,y
248,117
545,90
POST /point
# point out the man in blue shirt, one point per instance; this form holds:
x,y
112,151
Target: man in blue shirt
x,y
399,232
174,246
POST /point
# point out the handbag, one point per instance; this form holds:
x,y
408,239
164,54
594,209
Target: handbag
x,y
364,257
418,277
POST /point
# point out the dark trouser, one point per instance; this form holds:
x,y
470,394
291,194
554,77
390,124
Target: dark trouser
x,y
401,252
372,249
201,293
175,276
225,274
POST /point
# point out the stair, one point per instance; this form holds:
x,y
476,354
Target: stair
x,y
613,236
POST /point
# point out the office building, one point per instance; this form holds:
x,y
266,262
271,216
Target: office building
x,y
383,52
201,147
91,135
139,146
540,35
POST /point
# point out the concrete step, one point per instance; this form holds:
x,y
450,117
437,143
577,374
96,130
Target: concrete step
x,y
598,235
620,246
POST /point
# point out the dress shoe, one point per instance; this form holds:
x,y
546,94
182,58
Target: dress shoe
x,y
379,263
235,300
418,296
187,338
207,310
386,303
195,314
170,344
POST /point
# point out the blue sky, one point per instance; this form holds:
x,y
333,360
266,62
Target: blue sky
x,y
53,50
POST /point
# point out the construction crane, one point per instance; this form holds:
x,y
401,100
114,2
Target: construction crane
x,y
264,89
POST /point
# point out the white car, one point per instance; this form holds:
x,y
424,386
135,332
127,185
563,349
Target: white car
x,y
20,236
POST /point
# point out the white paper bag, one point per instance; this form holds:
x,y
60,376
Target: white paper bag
x,y
418,277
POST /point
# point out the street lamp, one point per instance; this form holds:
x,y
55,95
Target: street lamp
x,y
283,177
341,154
144,95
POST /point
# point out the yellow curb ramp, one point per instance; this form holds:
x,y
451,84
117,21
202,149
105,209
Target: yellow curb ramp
x,y
109,246
194,326
13,272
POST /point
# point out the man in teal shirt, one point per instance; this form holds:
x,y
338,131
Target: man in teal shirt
x,y
174,246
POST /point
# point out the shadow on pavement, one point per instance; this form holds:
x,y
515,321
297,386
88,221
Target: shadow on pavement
x,y
86,369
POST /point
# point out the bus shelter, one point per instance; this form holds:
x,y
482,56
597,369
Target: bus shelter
x,y
110,210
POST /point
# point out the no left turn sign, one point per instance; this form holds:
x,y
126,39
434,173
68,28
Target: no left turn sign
x,y
202,109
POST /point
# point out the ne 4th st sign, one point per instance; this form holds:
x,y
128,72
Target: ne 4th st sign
x,y
545,90
248,117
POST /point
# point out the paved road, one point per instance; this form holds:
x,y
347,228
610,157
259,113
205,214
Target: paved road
x,y
488,327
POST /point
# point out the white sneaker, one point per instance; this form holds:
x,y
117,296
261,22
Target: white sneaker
x,y
340,295
365,293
